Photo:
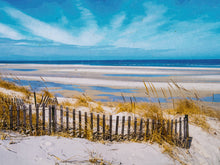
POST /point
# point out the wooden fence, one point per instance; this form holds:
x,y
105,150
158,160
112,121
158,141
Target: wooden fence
x,y
52,119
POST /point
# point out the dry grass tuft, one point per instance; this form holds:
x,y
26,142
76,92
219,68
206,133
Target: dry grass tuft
x,y
97,108
95,158
82,101
14,87
67,104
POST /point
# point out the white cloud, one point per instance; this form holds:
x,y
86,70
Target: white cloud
x,y
8,32
190,35
91,32
40,28
53,33
142,32
117,21
145,32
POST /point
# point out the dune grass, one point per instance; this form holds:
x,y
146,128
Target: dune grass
x,y
82,100
14,87
198,112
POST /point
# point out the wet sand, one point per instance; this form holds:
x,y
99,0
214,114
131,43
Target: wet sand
x,y
206,81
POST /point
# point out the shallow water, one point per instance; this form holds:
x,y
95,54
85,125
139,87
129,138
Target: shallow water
x,y
215,98
39,85
23,70
112,90
138,75
113,98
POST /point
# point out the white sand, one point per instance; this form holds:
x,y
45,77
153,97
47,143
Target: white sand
x,y
101,67
118,83
120,71
46,150
11,92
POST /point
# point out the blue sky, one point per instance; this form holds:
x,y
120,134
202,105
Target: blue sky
x,y
109,29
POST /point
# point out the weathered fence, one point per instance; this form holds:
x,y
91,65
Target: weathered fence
x,y
13,100
53,119
45,99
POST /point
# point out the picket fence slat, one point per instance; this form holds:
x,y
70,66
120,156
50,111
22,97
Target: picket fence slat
x,y
74,122
136,128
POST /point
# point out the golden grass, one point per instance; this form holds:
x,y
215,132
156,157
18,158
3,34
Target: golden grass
x,y
95,158
197,113
67,103
97,108
196,110
82,100
14,87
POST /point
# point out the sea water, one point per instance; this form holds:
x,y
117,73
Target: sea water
x,y
159,63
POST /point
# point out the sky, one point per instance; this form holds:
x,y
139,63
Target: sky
x,y
109,29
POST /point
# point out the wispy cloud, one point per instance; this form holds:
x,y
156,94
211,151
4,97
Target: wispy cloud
x,y
91,34
40,28
47,31
146,32
8,32
154,28
117,21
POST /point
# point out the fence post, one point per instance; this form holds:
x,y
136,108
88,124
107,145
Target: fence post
x,y
18,117
180,129
61,118
67,119
103,127
80,124
35,100
129,126
123,127
168,127
187,126
187,142
152,126
24,117
91,125
175,127
30,117
74,122
85,134
147,129
49,130
163,128
37,118
158,126
11,116
41,99
135,127
140,131
4,116
116,128
54,117
43,110
171,128
97,126
110,129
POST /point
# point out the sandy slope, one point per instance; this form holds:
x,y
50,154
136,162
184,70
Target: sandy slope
x,y
45,150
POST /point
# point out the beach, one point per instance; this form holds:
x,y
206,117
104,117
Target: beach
x,y
107,86
104,82
101,81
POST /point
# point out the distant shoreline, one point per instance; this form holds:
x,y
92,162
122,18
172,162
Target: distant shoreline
x,y
207,63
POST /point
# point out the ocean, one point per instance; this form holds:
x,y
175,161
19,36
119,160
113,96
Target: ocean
x,y
207,63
